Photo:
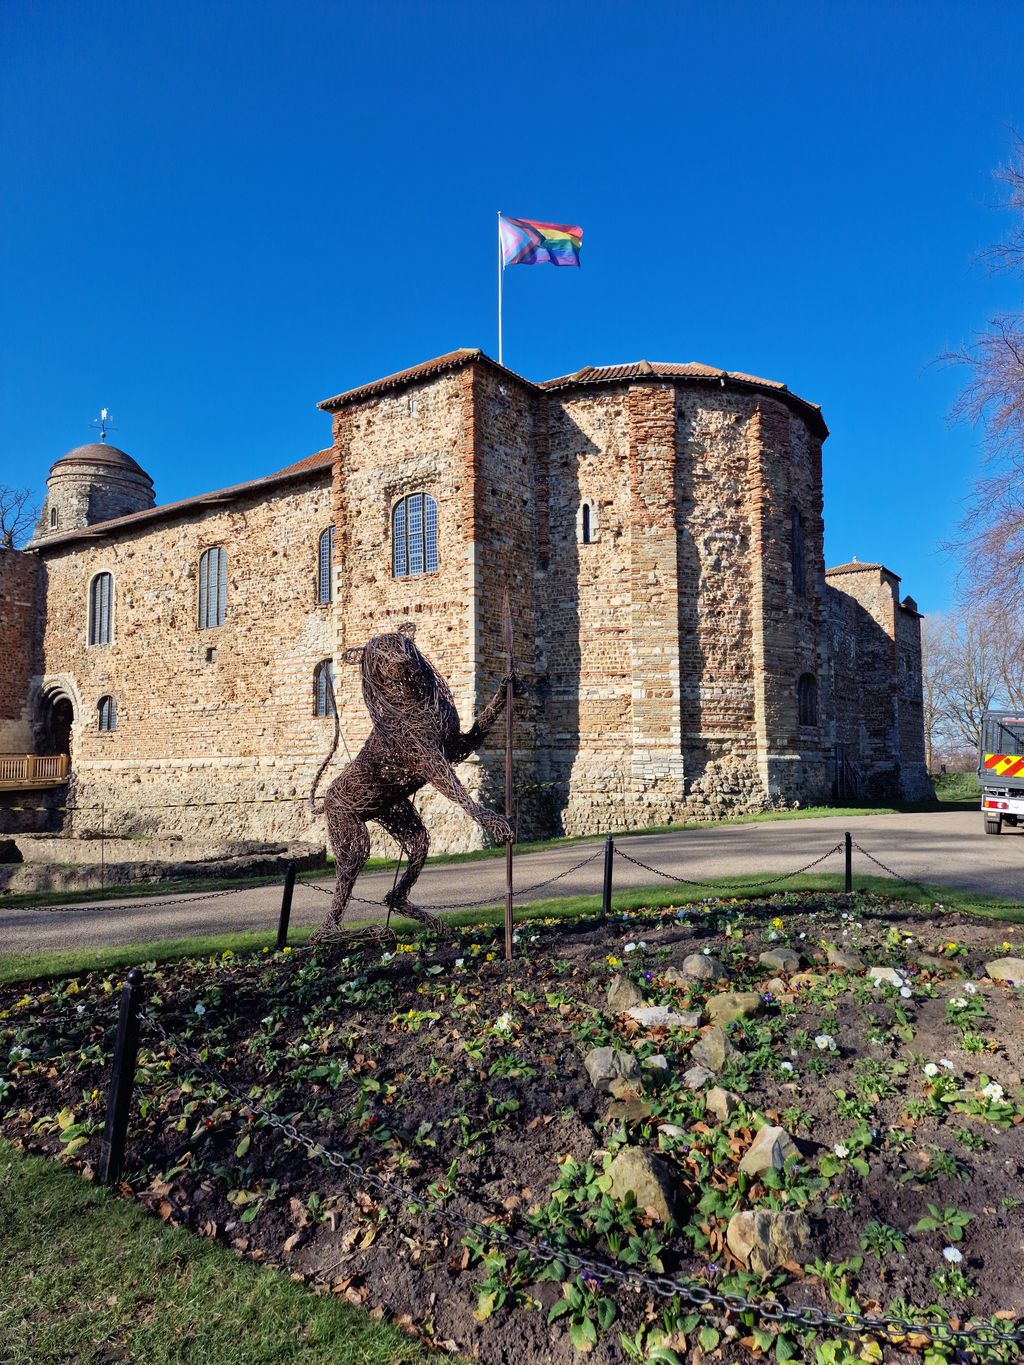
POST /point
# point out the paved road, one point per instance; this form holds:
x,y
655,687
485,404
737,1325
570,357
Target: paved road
x,y
947,848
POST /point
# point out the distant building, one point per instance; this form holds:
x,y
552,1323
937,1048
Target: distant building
x,y
659,528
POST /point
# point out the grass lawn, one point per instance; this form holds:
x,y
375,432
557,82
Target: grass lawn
x,y
36,966
90,1278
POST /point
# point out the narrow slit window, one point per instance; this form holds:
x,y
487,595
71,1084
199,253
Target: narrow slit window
x,y
213,587
325,571
107,713
807,699
586,523
414,536
323,689
797,553
101,609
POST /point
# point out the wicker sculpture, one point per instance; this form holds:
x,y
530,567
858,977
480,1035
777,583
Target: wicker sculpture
x,y
415,740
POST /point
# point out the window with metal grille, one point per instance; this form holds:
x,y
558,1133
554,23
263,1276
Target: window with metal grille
x,y
414,536
213,587
108,713
325,567
323,689
796,552
101,609
807,699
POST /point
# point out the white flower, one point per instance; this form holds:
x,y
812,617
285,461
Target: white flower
x,y
944,1061
773,936
970,988
952,1255
931,1069
629,948
841,1150
707,952
386,957
80,1009
200,1008
785,1066
460,962
906,992
503,1023
803,935
958,1002
824,1042
993,1091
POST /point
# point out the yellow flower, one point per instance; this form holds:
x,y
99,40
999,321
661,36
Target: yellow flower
x,y
74,988
613,961
266,950
490,957
1006,947
777,923
286,950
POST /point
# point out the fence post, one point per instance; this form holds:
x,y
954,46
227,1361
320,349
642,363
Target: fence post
x,y
286,907
848,850
122,1078
606,893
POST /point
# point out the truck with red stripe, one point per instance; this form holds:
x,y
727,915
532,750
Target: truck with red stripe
x,y
1001,769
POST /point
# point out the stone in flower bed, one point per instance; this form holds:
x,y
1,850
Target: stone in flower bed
x,y
769,1151
660,1016
1009,969
780,960
765,1239
636,1171
887,976
721,1104
696,1077
623,994
607,1064
845,959
713,1049
700,967
732,1005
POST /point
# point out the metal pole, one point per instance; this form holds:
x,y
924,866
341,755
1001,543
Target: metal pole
x,y
848,848
103,870
122,1078
286,907
501,272
609,858
509,635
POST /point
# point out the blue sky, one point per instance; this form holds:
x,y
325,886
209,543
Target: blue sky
x,y
214,215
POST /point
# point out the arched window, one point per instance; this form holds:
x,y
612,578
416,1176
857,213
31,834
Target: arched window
x,y
323,689
586,523
414,536
213,587
108,713
53,517
807,699
796,552
101,609
325,567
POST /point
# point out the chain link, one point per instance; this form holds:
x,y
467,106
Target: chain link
x,y
472,905
728,886
664,1286
142,900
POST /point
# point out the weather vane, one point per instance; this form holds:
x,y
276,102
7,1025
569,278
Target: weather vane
x,y
105,423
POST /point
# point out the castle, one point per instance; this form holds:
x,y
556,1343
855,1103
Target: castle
x,y
658,527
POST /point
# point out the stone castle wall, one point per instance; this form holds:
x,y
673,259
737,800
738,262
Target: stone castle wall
x,y
215,729
662,658
19,582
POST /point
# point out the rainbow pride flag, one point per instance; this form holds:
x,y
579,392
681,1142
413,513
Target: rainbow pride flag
x,y
524,242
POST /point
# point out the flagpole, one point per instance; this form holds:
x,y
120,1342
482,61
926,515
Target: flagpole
x,y
501,271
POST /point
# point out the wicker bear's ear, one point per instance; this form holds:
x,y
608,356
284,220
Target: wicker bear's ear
x,y
408,629
353,656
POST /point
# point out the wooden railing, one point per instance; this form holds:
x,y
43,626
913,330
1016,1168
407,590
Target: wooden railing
x,y
33,770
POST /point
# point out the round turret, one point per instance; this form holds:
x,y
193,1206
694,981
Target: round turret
x,y
93,483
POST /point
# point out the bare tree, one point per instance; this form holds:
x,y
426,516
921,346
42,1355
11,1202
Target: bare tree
x,y
991,542
973,660
18,514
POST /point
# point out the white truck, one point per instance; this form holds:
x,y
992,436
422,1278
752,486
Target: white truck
x,y
1001,769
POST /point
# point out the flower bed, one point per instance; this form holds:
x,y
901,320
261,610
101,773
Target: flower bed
x,y
837,1126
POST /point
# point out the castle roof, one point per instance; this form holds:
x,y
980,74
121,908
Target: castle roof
x,y
415,374
312,464
855,566
635,372
99,452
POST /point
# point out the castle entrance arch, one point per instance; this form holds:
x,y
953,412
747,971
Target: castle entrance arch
x,y
55,721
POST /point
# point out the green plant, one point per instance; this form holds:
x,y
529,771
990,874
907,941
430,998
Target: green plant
x,y
586,1308
950,1222
881,1239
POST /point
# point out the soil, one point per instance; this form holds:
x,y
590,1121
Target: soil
x,y
461,1078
